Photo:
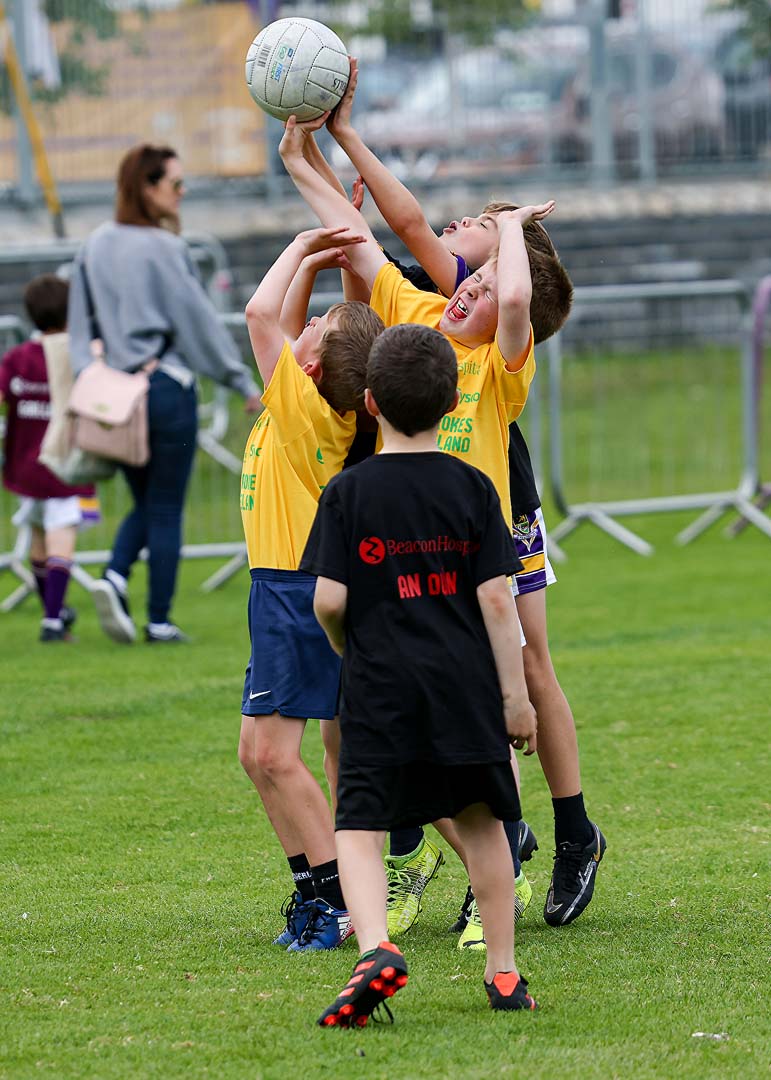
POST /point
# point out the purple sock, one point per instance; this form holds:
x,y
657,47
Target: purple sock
x,y
57,580
40,574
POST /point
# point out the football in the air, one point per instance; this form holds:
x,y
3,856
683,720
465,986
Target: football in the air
x,y
297,66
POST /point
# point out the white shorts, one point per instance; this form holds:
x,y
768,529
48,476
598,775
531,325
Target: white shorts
x,y
529,534
48,514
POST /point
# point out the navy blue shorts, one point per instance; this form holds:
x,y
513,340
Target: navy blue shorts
x,y
293,669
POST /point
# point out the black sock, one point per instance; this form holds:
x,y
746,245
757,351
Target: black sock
x,y
404,841
511,828
301,874
326,882
571,825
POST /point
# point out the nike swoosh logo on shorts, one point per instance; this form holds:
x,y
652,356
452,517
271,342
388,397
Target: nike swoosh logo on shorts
x,y
262,693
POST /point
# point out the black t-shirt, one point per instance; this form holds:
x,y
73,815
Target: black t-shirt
x,y
412,536
524,493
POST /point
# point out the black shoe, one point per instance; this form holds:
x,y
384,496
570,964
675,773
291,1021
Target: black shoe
x,y
49,634
527,842
572,879
170,635
68,615
113,613
508,991
376,976
465,910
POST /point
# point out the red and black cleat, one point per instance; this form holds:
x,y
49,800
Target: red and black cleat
x,y
376,977
508,990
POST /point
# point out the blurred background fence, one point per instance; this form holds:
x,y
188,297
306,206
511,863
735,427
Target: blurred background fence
x,y
607,89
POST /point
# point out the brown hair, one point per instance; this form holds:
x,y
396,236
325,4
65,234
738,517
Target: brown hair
x,y
343,354
552,288
142,165
413,375
45,299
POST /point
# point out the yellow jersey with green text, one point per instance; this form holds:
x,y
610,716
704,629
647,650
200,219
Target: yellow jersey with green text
x,y
294,449
490,396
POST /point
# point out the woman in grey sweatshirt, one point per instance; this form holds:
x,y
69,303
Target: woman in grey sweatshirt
x,y
135,287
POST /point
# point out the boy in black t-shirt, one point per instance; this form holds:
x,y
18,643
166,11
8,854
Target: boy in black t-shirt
x,y
412,555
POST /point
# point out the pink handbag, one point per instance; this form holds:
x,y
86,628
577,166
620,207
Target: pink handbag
x,y
109,408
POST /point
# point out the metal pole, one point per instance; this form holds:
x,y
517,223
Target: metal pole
x,y
643,73
26,187
603,168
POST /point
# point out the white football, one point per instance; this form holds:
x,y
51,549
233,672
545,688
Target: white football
x,y
297,66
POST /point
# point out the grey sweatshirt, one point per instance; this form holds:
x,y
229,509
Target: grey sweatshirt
x,y
147,296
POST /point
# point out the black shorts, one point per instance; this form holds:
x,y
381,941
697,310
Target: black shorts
x,y
385,797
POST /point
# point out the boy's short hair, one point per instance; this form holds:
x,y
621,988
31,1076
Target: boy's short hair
x,y
45,299
343,354
552,288
413,374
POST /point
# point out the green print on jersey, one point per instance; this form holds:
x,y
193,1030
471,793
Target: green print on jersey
x,y
453,436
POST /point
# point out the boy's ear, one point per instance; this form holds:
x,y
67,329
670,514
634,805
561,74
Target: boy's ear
x,y
313,369
454,404
370,404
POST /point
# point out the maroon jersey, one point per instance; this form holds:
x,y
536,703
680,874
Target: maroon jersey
x,y
24,386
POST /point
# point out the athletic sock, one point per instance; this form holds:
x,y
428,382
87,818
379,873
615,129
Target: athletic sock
x,y
57,580
326,884
39,573
302,877
511,828
571,824
404,841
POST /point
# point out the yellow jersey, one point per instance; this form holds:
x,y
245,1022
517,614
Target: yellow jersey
x,y
294,449
490,395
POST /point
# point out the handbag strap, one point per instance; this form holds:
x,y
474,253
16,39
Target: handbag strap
x,y
90,309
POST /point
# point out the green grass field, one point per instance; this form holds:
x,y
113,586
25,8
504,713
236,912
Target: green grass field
x,y
141,883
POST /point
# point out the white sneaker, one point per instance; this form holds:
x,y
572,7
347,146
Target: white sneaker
x,y
113,612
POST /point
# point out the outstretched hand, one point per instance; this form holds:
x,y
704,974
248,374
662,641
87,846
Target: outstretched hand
x,y
295,133
357,193
339,121
525,214
328,240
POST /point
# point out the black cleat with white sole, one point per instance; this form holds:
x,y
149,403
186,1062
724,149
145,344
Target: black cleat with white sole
x,y
572,879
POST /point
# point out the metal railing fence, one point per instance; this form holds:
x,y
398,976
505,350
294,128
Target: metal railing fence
x,y
654,406
665,88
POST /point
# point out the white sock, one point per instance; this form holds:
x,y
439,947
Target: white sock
x,y
161,629
52,624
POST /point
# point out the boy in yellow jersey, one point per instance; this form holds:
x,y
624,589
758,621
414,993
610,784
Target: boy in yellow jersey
x,y
487,319
314,382
443,261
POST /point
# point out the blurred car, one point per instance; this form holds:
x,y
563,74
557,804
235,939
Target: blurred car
x,y
747,81
481,105
531,105
686,98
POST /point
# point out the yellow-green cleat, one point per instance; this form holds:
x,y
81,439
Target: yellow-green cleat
x,y
473,936
407,878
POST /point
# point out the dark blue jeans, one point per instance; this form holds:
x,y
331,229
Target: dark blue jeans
x,y
158,490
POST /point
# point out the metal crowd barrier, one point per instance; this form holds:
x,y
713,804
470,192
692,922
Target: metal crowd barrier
x,y
207,251
682,324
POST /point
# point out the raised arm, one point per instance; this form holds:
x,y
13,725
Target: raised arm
x,y
331,207
515,287
354,288
263,312
399,207
294,310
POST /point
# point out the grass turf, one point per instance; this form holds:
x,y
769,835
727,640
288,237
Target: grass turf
x,y
141,882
